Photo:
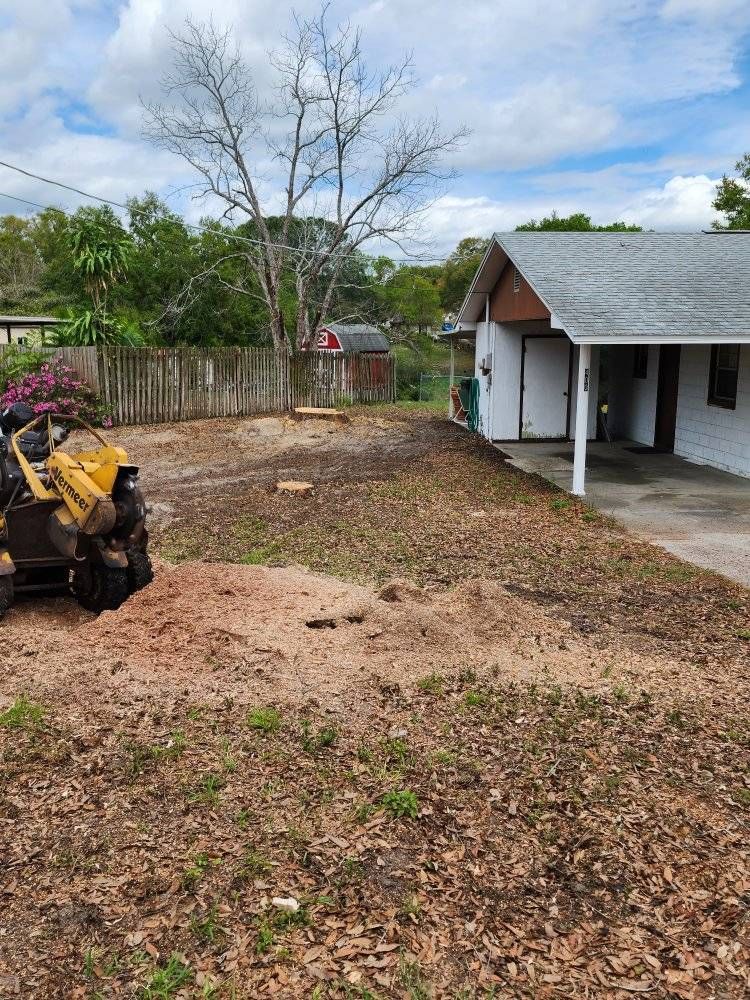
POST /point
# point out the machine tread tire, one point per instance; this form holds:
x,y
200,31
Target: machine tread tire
x,y
140,571
6,594
109,589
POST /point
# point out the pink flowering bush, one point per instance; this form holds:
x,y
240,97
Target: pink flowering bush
x,y
55,388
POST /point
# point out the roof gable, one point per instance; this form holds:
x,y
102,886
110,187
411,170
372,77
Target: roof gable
x,y
613,286
359,337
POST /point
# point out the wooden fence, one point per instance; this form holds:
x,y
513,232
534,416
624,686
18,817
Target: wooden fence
x,y
148,385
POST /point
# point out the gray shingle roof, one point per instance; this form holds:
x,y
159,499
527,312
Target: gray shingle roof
x,y
359,337
661,285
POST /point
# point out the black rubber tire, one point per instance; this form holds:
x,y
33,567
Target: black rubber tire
x,y
6,594
140,570
109,588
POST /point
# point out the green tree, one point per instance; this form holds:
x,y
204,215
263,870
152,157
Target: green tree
x,y
733,197
410,295
578,222
101,251
459,270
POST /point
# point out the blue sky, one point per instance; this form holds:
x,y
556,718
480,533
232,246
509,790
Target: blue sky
x,y
625,109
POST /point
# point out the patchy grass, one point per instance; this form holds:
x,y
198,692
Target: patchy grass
x,y
264,720
22,714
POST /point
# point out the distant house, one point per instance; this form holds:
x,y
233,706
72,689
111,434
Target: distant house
x,y
655,325
18,328
358,338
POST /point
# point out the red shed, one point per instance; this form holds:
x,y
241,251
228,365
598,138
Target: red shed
x,y
357,338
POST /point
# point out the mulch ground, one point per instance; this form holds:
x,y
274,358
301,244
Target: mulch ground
x,y
563,813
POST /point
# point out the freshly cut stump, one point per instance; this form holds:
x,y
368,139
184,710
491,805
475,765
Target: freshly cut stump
x,y
294,486
320,412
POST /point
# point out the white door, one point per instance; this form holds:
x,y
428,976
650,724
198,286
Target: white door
x,y
544,392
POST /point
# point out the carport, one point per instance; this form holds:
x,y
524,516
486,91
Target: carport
x,y
696,512
651,328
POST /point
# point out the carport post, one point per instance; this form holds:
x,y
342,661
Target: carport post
x,y
582,420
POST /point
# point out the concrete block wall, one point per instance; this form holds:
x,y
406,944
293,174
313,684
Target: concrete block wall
x,y
708,434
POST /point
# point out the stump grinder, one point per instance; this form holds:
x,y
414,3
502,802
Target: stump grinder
x,y
71,522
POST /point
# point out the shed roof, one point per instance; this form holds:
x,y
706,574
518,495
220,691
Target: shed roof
x,y
359,337
603,287
29,320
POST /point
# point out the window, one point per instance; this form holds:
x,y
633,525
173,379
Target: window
x,y
640,361
722,378
516,280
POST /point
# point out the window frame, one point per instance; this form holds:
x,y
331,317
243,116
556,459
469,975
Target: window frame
x,y
713,397
640,361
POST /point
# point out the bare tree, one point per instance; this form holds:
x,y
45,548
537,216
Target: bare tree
x,y
350,169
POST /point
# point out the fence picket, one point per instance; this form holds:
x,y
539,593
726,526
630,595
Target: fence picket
x,y
158,384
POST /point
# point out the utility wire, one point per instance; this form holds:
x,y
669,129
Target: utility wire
x,y
188,225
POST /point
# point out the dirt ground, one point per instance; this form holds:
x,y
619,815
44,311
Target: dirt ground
x,y
490,744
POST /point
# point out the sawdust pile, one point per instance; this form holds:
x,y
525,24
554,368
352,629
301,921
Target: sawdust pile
x,y
314,633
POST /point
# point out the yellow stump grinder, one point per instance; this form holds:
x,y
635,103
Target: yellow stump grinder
x,y
70,521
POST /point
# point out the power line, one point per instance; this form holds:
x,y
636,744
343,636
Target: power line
x,y
188,225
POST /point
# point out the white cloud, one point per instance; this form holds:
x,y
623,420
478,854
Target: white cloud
x,y
541,121
682,203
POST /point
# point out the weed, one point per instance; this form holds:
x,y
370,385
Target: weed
x,y
396,749
590,516
253,864
143,754
353,869
675,718
242,819
22,714
364,754
207,926
474,699
410,976
363,812
264,720
621,694
192,875
744,633
410,906
743,797
313,741
559,503
165,983
228,762
266,938
431,684
89,962
401,802
444,758
206,792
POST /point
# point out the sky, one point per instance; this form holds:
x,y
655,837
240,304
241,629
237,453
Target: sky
x,y
623,109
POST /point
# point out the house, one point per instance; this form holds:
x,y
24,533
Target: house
x,y
359,338
18,328
654,325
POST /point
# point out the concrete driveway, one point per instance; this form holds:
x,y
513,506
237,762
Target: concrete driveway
x,y
699,514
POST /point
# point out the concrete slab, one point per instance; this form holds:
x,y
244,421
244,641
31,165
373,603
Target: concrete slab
x,y
700,514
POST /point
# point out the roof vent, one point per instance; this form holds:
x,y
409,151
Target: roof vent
x,y
516,280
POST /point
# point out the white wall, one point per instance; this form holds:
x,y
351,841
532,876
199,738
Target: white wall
x,y
632,401
500,393
484,345
707,434
506,398
593,393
